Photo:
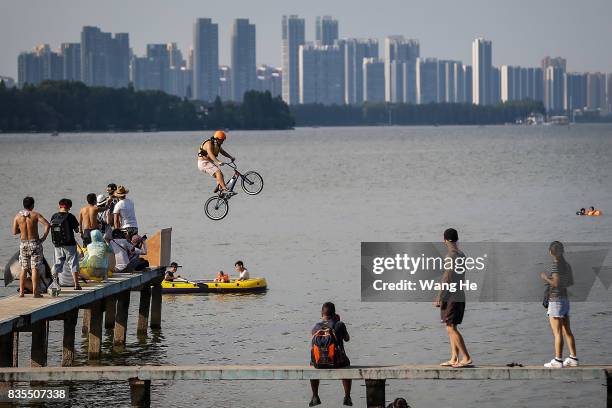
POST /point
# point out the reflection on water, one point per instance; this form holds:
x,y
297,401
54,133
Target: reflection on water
x,y
327,190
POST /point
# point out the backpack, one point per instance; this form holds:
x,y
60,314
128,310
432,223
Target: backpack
x,y
60,230
326,351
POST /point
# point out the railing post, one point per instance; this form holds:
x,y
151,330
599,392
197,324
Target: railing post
x,y
121,317
375,393
156,305
140,393
94,347
70,322
7,345
143,309
40,337
110,308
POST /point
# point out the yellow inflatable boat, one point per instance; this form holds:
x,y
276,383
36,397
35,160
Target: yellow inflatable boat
x,y
180,285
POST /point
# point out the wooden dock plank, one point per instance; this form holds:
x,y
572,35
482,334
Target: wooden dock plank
x,y
18,313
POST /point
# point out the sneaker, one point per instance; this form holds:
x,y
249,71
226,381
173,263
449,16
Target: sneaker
x,y
554,363
348,401
228,193
315,400
571,362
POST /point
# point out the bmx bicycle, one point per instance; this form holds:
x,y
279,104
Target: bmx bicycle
x,y
217,206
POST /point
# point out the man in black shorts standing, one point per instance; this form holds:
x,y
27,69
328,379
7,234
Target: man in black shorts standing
x,y
452,305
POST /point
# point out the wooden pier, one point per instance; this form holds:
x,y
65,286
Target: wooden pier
x,y
140,377
103,303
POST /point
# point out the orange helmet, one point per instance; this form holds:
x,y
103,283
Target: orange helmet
x,y
220,135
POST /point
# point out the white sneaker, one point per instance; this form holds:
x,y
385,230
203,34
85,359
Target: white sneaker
x,y
571,362
554,363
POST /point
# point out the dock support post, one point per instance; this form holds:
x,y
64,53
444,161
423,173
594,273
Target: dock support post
x,y
70,322
16,349
143,309
7,347
110,308
86,318
156,305
609,387
121,317
375,393
94,347
40,337
140,392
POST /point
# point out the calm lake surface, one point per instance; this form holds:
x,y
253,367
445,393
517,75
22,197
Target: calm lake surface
x,y
326,190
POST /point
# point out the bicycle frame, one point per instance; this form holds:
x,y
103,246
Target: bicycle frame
x,y
231,183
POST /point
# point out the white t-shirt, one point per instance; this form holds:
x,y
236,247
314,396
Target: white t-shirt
x,y
125,208
244,275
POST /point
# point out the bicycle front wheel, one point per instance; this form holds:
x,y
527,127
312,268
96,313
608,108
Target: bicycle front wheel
x,y
216,208
252,182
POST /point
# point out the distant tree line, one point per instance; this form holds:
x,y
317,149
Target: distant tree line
x,y
370,114
73,106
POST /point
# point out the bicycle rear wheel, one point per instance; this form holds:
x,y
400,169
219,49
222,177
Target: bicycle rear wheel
x,y
216,208
252,182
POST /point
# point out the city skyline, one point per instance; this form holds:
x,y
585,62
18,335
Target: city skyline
x,y
442,35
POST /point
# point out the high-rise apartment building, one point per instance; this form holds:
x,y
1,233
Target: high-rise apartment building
x,y
596,91
427,80
482,72
71,61
575,91
554,78
609,92
270,79
452,85
105,58
205,60
467,84
355,50
225,83
400,69
373,80
326,30
243,58
158,67
293,36
40,65
321,69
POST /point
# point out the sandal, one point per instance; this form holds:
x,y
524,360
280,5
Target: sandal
x,y
468,364
448,363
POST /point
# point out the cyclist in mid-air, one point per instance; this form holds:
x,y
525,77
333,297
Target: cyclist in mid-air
x,y
208,161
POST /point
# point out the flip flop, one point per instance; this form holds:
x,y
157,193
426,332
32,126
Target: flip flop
x,y
448,363
463,365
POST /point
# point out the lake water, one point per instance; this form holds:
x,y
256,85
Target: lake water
x,y
326,190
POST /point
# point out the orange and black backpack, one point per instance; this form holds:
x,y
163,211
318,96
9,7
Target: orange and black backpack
x,y
326,351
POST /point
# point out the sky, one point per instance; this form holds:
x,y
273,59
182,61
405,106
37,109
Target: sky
x,y
522,31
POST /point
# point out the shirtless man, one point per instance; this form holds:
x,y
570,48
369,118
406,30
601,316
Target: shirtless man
x,y
30,249
208,161
88,219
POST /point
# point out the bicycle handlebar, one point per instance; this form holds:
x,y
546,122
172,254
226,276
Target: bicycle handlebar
x,y
230,164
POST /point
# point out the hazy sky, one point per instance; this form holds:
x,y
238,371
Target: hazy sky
x,y
522,31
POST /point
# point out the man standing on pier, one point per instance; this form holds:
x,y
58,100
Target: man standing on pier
x,y
88,219
452,305
25,224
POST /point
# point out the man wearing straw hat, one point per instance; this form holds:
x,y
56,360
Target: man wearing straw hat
x,y
124,214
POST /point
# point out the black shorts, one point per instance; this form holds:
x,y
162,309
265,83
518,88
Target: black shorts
x,y
452,312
